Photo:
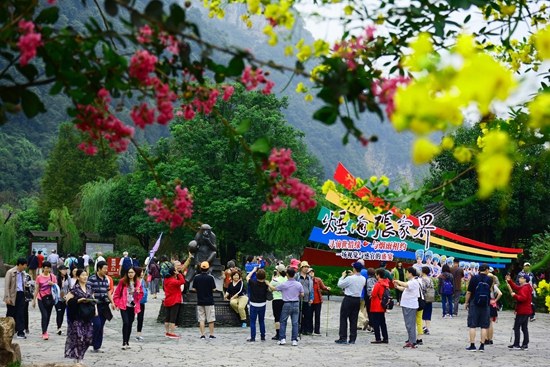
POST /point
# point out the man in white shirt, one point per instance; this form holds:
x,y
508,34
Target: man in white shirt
x,y
86,258
99,258
409,303
53,258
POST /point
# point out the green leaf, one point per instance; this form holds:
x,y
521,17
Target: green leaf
x,y
48,16
261,145
243,127
326,115
29,71
56,88
135,17
467,19
111,7
235,67
31,104
154,10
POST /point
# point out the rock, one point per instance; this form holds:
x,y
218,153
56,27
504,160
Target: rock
x,y
9,352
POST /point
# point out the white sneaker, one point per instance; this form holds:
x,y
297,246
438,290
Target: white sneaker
x,y
295,343
281,342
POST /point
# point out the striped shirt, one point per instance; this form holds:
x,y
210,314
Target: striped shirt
x,y
100,287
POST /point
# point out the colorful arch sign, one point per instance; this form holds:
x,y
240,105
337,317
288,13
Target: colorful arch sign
x,y
359,240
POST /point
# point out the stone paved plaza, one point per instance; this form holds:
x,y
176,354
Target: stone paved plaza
x,y
445,346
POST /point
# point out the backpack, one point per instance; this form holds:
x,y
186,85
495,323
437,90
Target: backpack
x,y
164,268
387,300
483,293
72,264
126,264
447,287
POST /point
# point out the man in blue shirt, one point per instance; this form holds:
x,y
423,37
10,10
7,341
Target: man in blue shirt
x,y
100,286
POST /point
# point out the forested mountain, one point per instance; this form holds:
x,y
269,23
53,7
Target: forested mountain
x,y
26,143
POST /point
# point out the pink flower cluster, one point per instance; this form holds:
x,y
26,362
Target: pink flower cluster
x,y
352,51
173,213
145,34
204,100
28,42
385,89
282,167
252,78
170,43
97,121
142,64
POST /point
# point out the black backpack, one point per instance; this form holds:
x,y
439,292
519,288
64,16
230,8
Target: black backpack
x,y
126,264
483,292
387,300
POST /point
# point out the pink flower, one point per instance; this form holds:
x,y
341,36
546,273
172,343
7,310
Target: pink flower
x,y
89,148
228,92
385,89
28,42
165,107
189,113
269,85
252,78
141,65
51,2
145,34
369,31
174,213
142,115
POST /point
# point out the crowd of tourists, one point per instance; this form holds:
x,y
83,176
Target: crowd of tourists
x,y
86,302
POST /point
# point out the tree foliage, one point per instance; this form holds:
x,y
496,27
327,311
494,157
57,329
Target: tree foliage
x,y
61,220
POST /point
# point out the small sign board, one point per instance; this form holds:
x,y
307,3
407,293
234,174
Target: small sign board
x,y
113,267
45,247
95,247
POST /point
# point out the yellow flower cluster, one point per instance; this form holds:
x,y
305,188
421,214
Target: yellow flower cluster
x,y
304,51
543,286
327,186
215,8
268,31
280,13
494,164
539,111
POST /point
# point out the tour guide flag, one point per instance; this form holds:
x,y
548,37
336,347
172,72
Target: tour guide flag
x,y
155,248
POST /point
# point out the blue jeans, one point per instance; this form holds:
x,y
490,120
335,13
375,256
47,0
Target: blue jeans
x,y
257,312
99,323
291,309
444,299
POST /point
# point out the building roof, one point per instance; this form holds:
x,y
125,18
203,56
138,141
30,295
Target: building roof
x,y
44,234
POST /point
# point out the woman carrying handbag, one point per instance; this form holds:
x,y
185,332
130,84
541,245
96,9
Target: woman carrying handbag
x,y
43,293
127,297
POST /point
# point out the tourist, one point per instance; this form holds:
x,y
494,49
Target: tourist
x,y
128,294
229,269
205,286
30,286
427,286
363,320
14,295
80,329
86,259
446,290
135,261
409,304
277,303
33,264
236,294
318,287
125,264
258,300
523,294
349,310
61,306
371,281
142,302
100,285
398,273
73,279
172,291
532,283
40,258
493,310
165,265
458,274
154,272
43,293
306,317
98,259
477,307
53,258
292,291
377,315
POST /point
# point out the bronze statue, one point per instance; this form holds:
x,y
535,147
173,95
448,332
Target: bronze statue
x,y
204,247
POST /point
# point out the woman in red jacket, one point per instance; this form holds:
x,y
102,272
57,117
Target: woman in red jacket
x,y
172,290
523,294
128,294
378,313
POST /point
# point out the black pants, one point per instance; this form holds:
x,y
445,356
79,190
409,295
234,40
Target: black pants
x,y
17,311
367,306
60,312
46,313
306,326
378,322
398,294
349,310
140,317
316,311
128,317
521,321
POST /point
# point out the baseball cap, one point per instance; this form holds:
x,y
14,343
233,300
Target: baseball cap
x,y
527,264
310,270
281,268
491,269
62,267
205,265
483,267
357,265
526,276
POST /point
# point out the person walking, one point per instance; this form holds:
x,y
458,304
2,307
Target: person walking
x,y
128,294
172,291
80,329
446,290
125,264
53,258
86,259
100,284
523,295
349,310
258,300
398,273
429,296
318,287
277,303
477,304
306,317
40,261
409,304
32,262
43,292
292,291
377,313
458,274
61,306
236,294
14,295
141,314
154,272
205,286
99,258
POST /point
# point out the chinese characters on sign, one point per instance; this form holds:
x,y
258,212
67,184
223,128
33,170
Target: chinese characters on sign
x,y
356,255
112,263
382,228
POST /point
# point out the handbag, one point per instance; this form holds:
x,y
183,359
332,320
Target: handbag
x,y
86,311
421,301
48,300
430,293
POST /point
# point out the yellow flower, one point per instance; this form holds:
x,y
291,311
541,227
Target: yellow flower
x,y
539,111
304,54
465,45
327,186
308,98
508,10
493,173
320,47
480,142
385,181
424,151
542,43
514,43
407,211
462,154
370,226
349,10
381,226
447,143
289,51
253,6
373,179
359,182
268,31
496,141
380,19
300,88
